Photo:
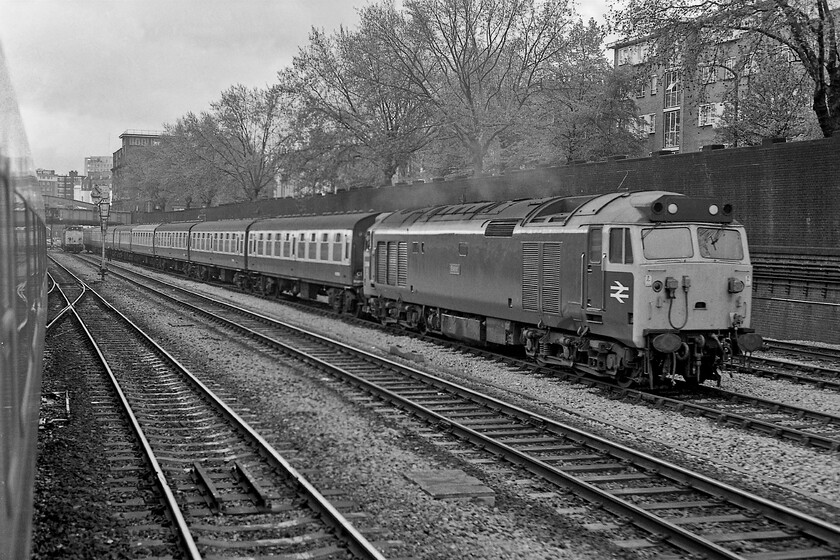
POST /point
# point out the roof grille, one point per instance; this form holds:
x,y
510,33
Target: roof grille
x,y
500,228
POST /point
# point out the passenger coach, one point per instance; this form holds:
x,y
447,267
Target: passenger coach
x,y
310,256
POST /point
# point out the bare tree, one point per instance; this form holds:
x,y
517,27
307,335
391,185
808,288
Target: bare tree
x,y
345,79
694,29
586,110
477,63
242,137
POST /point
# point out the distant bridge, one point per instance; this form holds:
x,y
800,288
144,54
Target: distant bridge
x,y
63,211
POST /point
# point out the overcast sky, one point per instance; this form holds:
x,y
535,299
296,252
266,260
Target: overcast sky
x,y
87,70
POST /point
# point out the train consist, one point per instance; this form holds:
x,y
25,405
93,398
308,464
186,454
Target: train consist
x,y
73,239
23,289
644,287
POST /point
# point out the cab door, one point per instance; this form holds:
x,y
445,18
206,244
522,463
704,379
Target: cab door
x,y
594,269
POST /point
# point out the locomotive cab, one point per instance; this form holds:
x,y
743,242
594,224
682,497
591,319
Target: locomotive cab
x,y
678,288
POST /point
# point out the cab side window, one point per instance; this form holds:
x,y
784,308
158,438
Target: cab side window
x,y
595,245
621,251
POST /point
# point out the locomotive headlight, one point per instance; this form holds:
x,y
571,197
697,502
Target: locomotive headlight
x,y
736,286
672,208
713,209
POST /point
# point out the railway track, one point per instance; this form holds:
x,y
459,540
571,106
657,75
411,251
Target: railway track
x,y
793,423
822,376
224,489
800,350
64,291
674,505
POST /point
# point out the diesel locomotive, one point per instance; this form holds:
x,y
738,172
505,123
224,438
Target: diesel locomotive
x,y
72,240
643,287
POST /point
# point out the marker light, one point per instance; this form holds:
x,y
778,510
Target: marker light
x,y
713,209
672,208
736,286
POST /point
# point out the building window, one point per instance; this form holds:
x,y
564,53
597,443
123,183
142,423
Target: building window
x,y
654,84
709,114
672,89
640,89
728,69
708,75
671,129
649,126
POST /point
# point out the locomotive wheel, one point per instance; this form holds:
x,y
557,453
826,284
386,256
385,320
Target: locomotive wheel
x,y
628,379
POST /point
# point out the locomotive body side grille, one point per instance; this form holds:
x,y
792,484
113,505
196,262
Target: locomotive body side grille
x,y
381,262
530,276
392,263
402,263
551,277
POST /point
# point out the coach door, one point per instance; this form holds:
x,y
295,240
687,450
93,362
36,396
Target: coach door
x,y
594,269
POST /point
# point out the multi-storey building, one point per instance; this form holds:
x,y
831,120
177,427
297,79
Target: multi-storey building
x,y
126,196
98,173
48,181
67,185
681,115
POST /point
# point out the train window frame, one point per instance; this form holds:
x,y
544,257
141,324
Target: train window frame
x,y
595,250
337,248
722,232
301,246
324,247
620,246
660,233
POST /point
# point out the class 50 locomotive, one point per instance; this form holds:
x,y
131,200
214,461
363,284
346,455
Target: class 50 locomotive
x,y
644,287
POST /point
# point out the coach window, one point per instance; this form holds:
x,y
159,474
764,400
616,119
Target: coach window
x,y
325,247
301,250
337,247
621,251
313,247
287,245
